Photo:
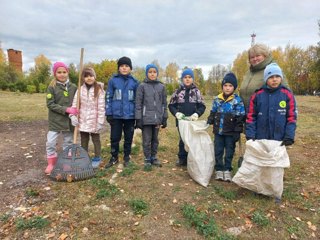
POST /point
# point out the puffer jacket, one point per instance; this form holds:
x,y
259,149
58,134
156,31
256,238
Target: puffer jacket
x,y
59,97
229,114
253,80
151,103
187,101
92,110
120,97
272,114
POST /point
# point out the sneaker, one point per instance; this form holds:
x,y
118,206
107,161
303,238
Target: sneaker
x,y
112,162
181,162
96,162
126,161
219,175
227,176
156,162
147,164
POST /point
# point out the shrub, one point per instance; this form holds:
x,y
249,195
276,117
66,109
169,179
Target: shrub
x,y
31,89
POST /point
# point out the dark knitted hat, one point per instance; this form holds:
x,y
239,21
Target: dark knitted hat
x,y
230,78
125,60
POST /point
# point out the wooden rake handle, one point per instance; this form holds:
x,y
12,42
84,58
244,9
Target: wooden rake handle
x,y
75,132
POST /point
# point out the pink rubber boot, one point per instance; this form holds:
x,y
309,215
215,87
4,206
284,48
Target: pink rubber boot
x,y
52,159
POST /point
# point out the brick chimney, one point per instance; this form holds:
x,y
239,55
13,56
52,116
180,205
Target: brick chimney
x,y
15,59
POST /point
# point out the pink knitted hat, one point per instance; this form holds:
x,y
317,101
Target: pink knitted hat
x,y
57,65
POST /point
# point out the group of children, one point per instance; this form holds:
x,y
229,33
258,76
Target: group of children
x,y
128,105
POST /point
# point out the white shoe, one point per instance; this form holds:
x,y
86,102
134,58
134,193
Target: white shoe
x,y
219,175
227,176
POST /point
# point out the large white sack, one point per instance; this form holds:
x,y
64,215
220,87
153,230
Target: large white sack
x,y
263,166
199,146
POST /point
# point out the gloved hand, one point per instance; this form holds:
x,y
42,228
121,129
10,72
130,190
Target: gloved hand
x,y
287,142
164,123
179,115
99,127
72,110
210,120
139,123
110,119
250,138
194,117
74,120
236,137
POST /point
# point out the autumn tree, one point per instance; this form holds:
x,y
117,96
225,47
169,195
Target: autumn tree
x,y
139,73
2,57
105,70
160,69
240,66
171,72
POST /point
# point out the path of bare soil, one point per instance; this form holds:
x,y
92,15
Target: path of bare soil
x,y
22,159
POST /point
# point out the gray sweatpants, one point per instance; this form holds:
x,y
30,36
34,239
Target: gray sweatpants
x,y
150,140
52,138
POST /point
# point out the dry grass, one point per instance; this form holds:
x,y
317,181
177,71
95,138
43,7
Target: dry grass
x,y
74,207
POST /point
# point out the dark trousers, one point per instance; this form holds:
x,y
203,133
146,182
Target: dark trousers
x,y
117,126
150,140
85,137
224,143
182,154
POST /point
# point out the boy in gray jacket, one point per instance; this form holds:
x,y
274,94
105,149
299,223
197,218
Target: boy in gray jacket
x,y
151,113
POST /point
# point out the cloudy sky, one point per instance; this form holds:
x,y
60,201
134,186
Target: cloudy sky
x,y
191,33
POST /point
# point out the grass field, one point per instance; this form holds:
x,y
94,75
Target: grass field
x,y
165,203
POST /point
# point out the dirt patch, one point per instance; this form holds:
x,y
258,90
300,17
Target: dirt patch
x,y
22,159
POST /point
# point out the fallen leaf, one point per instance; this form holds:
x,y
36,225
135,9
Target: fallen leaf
x,y
165,161
170,184
174,200
293,236
63,236
85,230
50,235
136,223
311,226
70,178
299,219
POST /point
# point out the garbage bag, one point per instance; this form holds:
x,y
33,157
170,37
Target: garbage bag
x,y
200,150
263,166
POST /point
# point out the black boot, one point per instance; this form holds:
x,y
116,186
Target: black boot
x,y
181,162
113,161
155,161
126,161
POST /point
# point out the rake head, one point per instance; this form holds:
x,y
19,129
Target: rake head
x,y
73,164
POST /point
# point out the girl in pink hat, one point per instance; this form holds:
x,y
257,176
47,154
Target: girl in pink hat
x,y
60,94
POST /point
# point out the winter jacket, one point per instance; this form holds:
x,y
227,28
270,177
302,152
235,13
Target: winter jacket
x,y
92,110
120,97
151,103
272,114
228,114
253,80
59,97
187,101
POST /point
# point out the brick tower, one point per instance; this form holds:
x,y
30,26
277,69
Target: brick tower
x,y
15,59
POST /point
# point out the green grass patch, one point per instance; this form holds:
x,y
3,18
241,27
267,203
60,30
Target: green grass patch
x,y
111,191
30,192
204,224
129,170
135,149
34,222
139,206
260,219
227,194
4,218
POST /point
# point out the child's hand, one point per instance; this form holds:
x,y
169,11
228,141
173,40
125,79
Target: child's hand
x,y
287,142
109,119
74,120
99,127
194,117
179,115
72,110
164,123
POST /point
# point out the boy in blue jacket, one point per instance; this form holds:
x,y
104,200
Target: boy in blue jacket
x,y
120,110
227,116
272,110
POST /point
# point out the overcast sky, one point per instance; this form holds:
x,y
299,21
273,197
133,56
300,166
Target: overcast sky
x,y
191,33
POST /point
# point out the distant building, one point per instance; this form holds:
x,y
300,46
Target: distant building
x,y
15,59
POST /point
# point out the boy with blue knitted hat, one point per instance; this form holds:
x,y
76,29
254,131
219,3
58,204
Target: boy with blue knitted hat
x,y
227,116
151,113
186,101
272,110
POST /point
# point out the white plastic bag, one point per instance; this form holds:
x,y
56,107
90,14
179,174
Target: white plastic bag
x,y
263,166
199,146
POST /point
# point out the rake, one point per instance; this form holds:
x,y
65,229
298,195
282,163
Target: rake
x,y
73,163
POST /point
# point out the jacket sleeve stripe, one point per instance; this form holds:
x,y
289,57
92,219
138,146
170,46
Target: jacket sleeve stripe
x,y
292,108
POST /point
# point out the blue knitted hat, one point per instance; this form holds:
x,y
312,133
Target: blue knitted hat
x,y
230,78
186,72
271,70
151,66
